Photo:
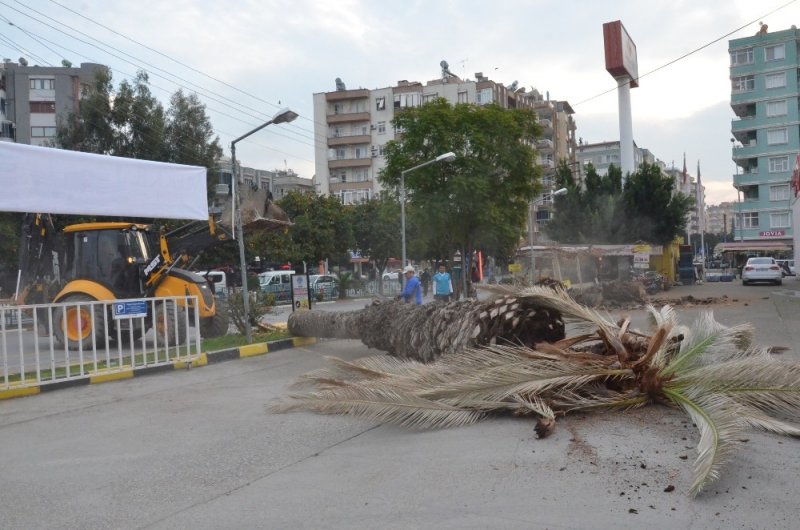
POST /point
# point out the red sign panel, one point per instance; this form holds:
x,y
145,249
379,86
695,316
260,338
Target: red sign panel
x,y
772,233
621,59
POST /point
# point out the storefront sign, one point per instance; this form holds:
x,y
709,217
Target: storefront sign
x,y
772,233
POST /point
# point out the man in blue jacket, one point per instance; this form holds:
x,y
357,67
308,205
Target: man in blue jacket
x,y
412,288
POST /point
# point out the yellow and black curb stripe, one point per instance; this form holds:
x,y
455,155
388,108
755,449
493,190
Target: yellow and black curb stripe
x,y
241,352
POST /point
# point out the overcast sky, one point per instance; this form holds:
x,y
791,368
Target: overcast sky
x,y
246,59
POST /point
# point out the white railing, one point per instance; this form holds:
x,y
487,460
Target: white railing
x,y
50,343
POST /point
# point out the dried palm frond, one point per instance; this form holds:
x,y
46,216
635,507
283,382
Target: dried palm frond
x,y
710,371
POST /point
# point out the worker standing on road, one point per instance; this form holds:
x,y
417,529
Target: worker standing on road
x,y
412,288
442,285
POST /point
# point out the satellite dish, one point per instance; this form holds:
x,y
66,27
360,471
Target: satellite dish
x,y
513,86
23,61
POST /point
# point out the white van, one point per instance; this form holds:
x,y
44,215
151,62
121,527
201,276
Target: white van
x,y
277,283
220,281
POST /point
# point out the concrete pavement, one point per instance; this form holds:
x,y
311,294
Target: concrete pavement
x,y
198,449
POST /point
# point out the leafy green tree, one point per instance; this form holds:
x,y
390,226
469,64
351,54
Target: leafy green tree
x,y
653,211
604,211
90,129
320,230
139,121
482,197
376,230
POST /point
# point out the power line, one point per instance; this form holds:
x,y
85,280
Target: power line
x,y
257,98
684,56
134,64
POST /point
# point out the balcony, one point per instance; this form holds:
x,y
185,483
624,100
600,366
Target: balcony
x,y
546,163
344,95
346,117
545,123
340,163
348,139
544,145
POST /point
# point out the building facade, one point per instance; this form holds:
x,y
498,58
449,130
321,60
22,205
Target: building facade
x,y
352,126
33,98
719,218
765,134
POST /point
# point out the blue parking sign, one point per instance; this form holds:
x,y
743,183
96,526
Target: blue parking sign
x,y
130,309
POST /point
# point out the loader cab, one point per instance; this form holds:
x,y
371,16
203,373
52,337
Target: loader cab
x,y
109,254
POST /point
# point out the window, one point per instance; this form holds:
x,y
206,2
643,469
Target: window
x,y
749,219
381,150
775,80
775,53
340,154
427,98
485,96
380,103
776,108
777,136
779,220
361,175
406,100
381,127
739,57
43,132
42,84
462,96
43,106
778,164
745,83
337,132
779,193
354,196
362,152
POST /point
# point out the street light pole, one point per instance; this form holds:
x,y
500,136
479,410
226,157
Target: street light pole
x,y
282,116
447,157
531,212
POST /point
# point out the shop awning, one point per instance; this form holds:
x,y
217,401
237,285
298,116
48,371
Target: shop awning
x,y
753,246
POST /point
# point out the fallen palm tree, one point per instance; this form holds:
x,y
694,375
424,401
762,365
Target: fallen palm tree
x,y
713,372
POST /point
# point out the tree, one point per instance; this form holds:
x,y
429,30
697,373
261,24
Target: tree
x,y
90,129
139,122
376,230
482,197
320,231
713,373
646,208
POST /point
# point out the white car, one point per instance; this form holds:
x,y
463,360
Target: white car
x,y
762,270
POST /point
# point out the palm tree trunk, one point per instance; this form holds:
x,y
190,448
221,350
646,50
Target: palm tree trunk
x,y
425,332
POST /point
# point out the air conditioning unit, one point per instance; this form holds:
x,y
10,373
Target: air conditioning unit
x,y
373,127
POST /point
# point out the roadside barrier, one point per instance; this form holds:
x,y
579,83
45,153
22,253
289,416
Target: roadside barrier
x,y
48,344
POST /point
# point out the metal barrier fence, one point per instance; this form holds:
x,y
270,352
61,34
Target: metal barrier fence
x,y
48,343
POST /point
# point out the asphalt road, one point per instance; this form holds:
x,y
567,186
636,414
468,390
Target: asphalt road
x,y
199,449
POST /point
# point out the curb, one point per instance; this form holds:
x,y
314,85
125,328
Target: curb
x,y
205,358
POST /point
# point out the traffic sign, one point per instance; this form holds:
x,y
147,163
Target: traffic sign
x,y
130,309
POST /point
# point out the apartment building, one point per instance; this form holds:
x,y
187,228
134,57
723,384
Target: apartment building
x,y
719,218
280,181
352,126
765,134
601,155
32,98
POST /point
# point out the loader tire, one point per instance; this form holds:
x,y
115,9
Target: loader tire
x,y
74,326
169,325
216,326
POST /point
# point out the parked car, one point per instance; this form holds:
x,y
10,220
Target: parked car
x,y
324,285
787,266
761,270
392,275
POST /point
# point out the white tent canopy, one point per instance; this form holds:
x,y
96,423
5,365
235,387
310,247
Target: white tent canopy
x,y
56,181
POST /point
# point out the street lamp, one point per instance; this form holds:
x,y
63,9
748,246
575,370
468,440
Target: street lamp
x,y
282,116
447,157
531,210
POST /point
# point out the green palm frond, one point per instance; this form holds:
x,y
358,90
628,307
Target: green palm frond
x,y
716,419
708,341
